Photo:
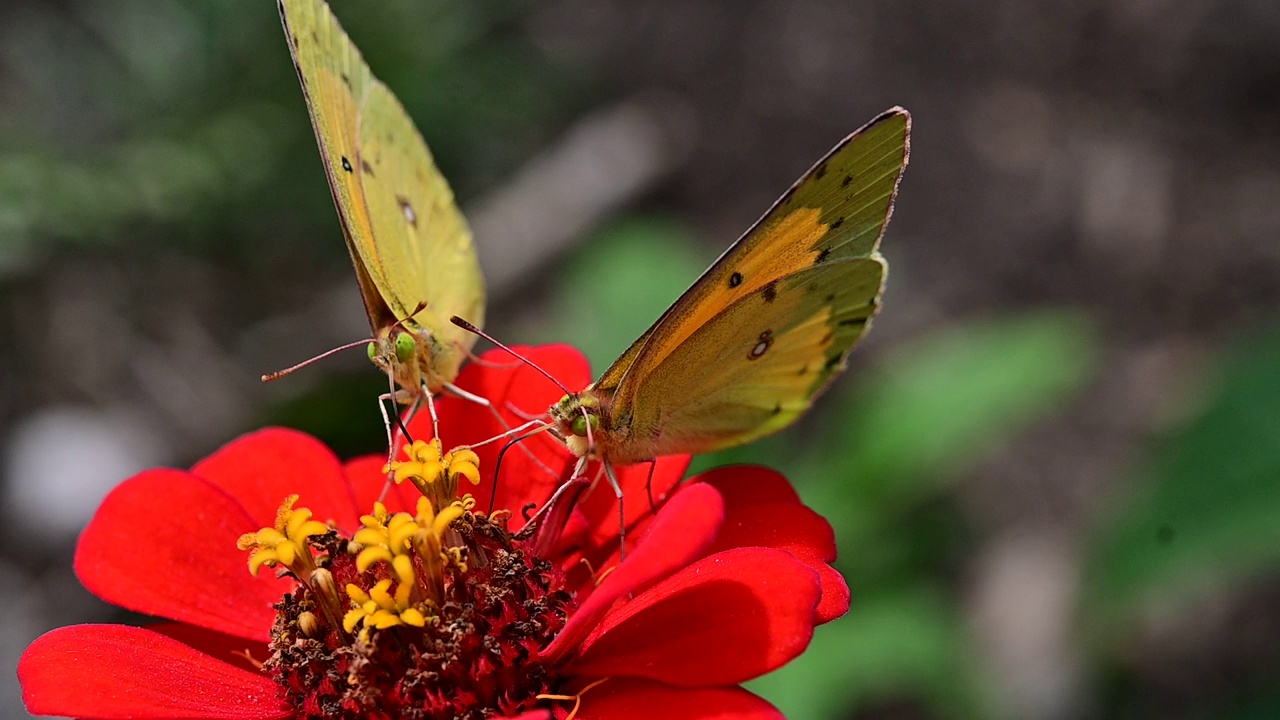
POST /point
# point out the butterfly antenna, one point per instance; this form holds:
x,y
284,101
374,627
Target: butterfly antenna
x,y
477,331
591,442
281,373
422,305
497,465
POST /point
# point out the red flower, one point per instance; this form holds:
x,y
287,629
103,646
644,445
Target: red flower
x,y
725,583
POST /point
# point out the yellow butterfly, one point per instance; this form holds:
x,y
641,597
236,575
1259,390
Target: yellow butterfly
x,y
747,349
410,245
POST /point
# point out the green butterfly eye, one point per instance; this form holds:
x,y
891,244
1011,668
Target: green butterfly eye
x,y
373,350
405,347
579,424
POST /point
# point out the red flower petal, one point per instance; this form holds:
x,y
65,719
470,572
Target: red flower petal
x,y
220,646
725,619
600,506
632,699
532,715
114,671
164,543
514,385
262,468
749,484
798,530
682,530
367,481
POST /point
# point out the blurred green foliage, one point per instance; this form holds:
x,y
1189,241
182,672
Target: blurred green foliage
x,y
1206,513
897,644
902,434
1201,523
184,122
622,281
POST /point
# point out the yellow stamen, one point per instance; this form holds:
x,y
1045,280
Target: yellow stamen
x,y
433,471
286,543
394,540
381,609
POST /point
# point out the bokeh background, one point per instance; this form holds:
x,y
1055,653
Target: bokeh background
x,y
1053,467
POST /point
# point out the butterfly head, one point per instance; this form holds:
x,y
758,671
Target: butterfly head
x,y
388,350
398,352
577,418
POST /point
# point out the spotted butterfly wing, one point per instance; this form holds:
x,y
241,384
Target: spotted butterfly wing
x,y
746,350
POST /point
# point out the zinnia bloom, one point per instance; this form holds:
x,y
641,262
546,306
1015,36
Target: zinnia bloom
x,y
427,605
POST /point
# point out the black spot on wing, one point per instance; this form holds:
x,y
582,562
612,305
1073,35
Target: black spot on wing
x,y
837,223
770,291
368,170
852,322
777,408
820,171
346,164
346,81
735,280
845,182
830,298
822,256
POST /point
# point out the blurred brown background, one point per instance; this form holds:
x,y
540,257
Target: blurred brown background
x,y
1054,469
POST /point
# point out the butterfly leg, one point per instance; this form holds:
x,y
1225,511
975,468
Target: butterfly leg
x,y
536,422
401,432
578,470
386,421
622,515
648,486
391,440
501,421
521,413
488,363
431,408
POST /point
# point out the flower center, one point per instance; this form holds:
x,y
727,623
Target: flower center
x,y
436,614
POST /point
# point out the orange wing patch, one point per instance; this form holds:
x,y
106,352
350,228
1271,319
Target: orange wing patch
x,y
792,241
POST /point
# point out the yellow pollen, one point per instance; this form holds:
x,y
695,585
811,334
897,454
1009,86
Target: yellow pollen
x,y
286,543
381,609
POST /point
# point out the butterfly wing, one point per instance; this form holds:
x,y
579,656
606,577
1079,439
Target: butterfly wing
x,y
810,262
758,365
407,238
